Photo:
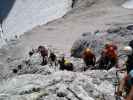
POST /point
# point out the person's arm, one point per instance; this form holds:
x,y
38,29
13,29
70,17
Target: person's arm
x,y
121,86
94,58
130,96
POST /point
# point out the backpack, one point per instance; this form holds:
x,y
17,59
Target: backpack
x,y
131,44
111,53
129,63
52,56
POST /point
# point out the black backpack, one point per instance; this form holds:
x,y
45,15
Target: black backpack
x,y
129,62
131,43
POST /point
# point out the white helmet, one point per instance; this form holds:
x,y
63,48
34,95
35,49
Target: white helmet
x,y
127,50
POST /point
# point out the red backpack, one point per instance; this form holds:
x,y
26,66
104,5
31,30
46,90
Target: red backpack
x,y
112,52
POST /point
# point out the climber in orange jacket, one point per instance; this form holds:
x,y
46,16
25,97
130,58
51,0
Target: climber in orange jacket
x,y
89,57
109,57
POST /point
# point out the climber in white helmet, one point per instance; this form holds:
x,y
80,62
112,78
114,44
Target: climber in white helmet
x,y
127,50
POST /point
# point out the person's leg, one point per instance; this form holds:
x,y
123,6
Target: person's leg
x,y
106,63
112,63
44,61
89,64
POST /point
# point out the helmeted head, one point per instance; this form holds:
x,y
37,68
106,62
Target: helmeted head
x,y
108,44
127,50
40,47
88,50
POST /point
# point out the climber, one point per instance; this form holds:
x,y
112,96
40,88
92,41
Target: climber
x,y
52,58
126,84
1,23
44,53
19,67
14,71
73,3
129,63
32,52
108,57
65,64
89,58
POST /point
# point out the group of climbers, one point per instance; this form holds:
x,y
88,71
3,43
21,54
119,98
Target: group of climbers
x,y
48,56
108,59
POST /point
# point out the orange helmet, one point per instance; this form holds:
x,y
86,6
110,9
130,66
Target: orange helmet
x,y
88,54
88,50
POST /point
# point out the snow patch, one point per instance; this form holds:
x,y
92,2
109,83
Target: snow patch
x,y
27,14
128,4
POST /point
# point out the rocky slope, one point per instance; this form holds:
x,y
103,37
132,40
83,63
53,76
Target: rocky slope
x,y
37,82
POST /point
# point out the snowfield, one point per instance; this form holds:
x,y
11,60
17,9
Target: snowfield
x,y
26,14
